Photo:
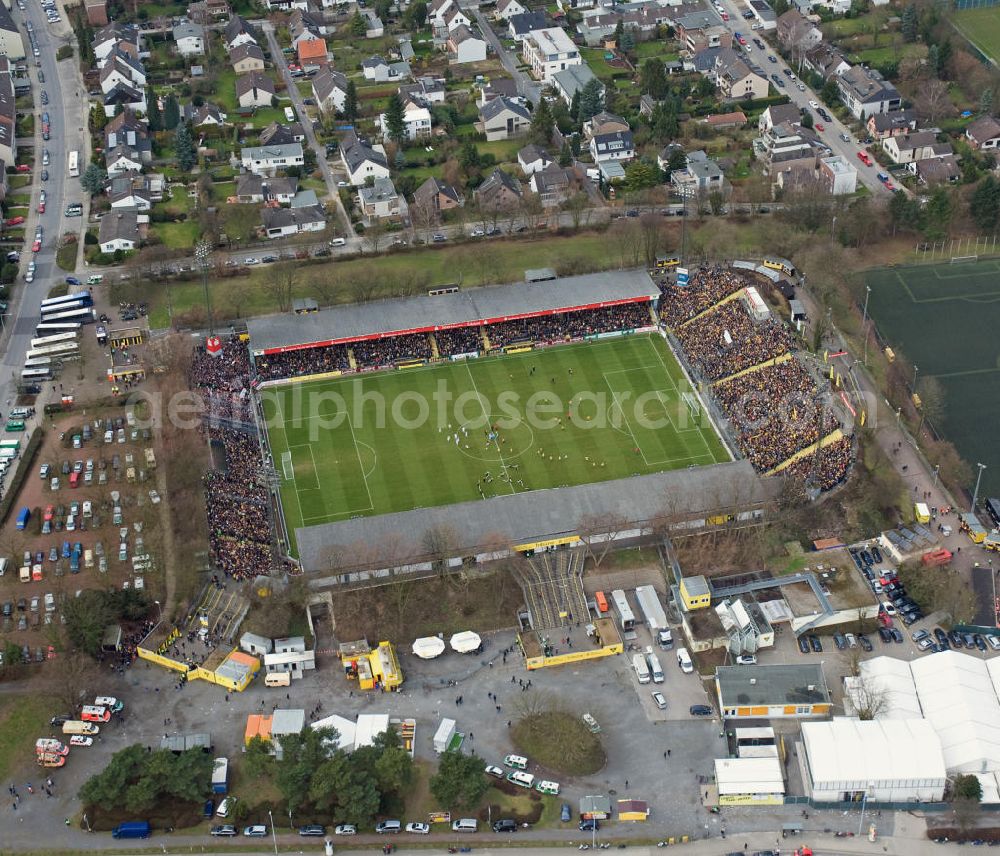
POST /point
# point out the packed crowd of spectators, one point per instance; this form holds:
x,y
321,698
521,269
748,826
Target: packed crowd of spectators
x,y
307,361
727,340
126,654
569,325
223,381
239,530
831,469
459,340
705,288
392,349
775,412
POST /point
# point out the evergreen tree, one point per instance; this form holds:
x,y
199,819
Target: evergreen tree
x,y
153,114
184,151
93,179
565,155
395,122
591,100
351,102
542,124
619,31
574,107
780,7
807,119
910,24
985,204
937,215
171,113
934,60
627,42
986,101
653,78
664,121
830,93
904,212
358,25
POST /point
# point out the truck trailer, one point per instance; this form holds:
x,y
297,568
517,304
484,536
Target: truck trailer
x,y
649,603
444,735
640,667
220,776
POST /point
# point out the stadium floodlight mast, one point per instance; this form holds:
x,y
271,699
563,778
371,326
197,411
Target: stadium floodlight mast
x,y
975,493
202,251
864,320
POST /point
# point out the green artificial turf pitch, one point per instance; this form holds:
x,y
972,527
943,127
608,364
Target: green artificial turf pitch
x,y
944,318
557,414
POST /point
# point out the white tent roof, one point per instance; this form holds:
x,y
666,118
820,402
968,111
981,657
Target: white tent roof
x,y
370,725
889,676
465,642
991,790
959,698
858,753
428,647
749,776
345,730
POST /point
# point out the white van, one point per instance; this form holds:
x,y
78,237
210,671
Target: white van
x,y
278,679
289,114
225,807
519,762
546,787
465,824
684,661
520,778
4,561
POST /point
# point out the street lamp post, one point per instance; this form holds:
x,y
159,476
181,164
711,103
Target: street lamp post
x,y
916,368
274,838
975,493
937,470
864,320
202,250
159,612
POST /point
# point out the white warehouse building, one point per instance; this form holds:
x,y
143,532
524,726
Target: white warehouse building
x,y
897,760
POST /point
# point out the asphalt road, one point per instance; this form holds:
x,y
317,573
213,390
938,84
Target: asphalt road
x,y
66,111
527,87
867,175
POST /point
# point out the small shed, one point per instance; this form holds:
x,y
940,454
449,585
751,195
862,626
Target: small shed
x,y
633,810
596,807
254,644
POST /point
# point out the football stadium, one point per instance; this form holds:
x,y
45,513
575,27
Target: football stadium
x,y
514,415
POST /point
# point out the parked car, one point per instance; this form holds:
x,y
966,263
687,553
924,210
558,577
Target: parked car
x,y
814,641
700,710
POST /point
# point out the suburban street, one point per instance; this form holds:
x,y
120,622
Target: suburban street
x,y
527,87
867,175
300,110
67,109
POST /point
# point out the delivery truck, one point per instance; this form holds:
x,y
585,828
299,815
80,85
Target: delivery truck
x,y
220,776
640,667
131,829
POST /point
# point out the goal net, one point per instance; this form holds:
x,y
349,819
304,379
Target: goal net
x,y
964,260
286,466
693,405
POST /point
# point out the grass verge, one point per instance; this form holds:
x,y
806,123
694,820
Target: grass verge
x,y
560,742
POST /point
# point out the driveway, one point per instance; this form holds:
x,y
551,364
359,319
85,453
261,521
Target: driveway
x,y
527,87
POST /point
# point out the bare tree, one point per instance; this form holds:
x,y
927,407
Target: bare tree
x,y
439,541
599,533
280,283
933,101
71,678
651,233
576,205
375,231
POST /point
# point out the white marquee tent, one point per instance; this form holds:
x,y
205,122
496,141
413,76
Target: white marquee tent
x,y
465,642
428,647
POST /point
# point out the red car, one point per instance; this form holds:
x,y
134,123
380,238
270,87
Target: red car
x,y
41,207
889,185
49,512
863,157
14,221
35,247
23,167
819,127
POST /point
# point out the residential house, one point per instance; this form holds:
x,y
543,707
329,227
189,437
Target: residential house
x,y
736,119
287,5
552,184
247,58
465,46
304,199
436,196
882,125
312,53
704,60
362,161
281,222
548,52
329,89
605,123
97,12
777,114
826,61
205,116
125,129
533,159
499,192
455,18
937,170
377,69
502,119
736,80
648,104
238,32
518,26
300,22
507,9
190,39
8,121
121,160
278,134
381,201
125,97
120,230
616,146
501,87
406,51
115,36
641,19
254,90
782,143
663,158
129,192
915,146
837,175
207,12
121,68
566,5
701,176
437,10
374,26
416,121
983,133
571,80
252,188
424,90
699,30
797,33
864,91
266,160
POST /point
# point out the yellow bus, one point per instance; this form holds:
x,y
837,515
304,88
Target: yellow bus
x,y
666,262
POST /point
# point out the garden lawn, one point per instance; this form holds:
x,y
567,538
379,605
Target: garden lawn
x,y
22,718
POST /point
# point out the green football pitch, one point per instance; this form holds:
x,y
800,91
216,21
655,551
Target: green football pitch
x,y
944,318
377,443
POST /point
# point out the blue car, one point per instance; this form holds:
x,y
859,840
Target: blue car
x,y
65,550
72,280
78,548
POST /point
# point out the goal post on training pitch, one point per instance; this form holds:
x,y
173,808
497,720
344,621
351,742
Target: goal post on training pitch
x,y
964,260
286,466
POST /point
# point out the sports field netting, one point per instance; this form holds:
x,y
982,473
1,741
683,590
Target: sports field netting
x,y
373,444
945,318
